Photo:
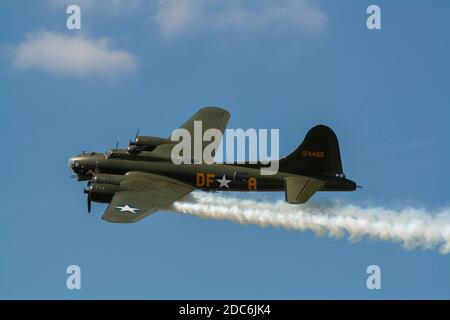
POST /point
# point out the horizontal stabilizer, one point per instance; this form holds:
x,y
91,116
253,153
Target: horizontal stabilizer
x,y
299,189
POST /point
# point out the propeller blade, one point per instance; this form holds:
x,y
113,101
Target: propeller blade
x,y
89,203
86,190
117,143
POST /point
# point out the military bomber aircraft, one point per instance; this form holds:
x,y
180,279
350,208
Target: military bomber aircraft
x,y
142,178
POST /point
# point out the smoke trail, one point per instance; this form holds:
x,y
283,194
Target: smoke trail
x,y
411,227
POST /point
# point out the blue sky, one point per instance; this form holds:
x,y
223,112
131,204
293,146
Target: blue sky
x,y
286,65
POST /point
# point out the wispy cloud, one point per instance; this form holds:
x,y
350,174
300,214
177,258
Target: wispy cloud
x,y
178,17
175,18
71,55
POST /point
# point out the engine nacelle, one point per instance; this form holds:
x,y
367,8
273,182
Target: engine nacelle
x,y
101,192
102,178
146,143
151,141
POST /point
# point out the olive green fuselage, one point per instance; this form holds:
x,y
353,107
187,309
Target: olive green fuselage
x,y
217,176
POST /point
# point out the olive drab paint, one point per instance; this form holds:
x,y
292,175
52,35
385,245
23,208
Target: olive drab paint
x,y
144,177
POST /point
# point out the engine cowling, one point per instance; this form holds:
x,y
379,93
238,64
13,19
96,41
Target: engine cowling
x,y
102,192
102,178
146,143
150,141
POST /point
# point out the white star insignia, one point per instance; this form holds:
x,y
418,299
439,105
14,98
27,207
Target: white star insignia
x,y
126,208
223,182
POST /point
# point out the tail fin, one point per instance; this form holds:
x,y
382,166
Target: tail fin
x,y
318,154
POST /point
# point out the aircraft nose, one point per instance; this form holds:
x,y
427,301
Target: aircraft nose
x,y
71,163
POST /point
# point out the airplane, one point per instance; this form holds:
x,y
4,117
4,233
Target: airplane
x,y
143,179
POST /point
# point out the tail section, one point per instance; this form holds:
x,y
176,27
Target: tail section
x,y
317,155
315,166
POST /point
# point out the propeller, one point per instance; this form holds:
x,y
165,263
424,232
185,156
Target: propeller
x,y
86,190
117,143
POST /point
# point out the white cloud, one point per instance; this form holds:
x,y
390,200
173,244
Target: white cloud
x,y
173,16
176,17
71,55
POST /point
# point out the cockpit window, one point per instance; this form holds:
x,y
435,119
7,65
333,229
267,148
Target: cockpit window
x,y
112,155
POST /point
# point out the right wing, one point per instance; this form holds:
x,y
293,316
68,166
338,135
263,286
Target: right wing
x,y
211,117
145,193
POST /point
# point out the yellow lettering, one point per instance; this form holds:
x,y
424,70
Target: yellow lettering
x,y
252,184
200,181
210,179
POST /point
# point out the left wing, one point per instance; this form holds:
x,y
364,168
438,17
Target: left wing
x,y
144,194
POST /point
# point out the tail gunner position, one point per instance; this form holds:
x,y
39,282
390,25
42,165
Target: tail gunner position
x,y
142,179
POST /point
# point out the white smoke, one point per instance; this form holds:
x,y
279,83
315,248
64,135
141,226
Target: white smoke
x,y
412,227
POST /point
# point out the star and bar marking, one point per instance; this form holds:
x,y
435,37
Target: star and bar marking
x,y
127,208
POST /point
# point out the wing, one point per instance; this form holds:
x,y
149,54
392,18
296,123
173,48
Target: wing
x,y
144,194
211,118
